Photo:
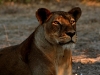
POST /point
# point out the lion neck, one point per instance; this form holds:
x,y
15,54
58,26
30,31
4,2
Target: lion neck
x,y
51,51
42,44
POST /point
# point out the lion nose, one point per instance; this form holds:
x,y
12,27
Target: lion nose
x,y
71,34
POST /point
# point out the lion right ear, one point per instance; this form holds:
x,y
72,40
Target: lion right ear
x,y
42,15
76,13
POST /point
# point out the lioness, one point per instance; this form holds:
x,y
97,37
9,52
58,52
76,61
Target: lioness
x,y
47,51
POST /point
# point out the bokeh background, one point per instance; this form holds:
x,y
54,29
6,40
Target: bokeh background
x,y
18,21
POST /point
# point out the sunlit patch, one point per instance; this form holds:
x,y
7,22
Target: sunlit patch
x,y
91,2
85,60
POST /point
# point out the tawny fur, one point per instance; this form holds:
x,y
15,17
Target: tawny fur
x,y
47,51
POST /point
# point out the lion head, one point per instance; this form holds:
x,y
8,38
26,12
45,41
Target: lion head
x,y
59,26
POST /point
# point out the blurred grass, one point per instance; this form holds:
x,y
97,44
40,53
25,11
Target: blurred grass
x,y
37,1
16,1
25,1
91,2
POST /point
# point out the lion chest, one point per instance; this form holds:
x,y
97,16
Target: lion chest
x,y
60,70
63,63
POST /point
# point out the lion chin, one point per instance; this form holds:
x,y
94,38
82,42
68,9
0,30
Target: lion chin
x,y
70,46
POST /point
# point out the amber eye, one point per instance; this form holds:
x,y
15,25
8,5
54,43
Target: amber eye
x,y
55,23
72,22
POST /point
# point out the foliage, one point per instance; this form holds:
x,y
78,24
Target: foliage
x,y
24,1
17,1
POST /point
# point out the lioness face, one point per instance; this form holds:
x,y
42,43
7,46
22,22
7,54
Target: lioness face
x,y
60,27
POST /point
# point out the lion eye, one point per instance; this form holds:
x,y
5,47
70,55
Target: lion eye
x,y
56,23
72,22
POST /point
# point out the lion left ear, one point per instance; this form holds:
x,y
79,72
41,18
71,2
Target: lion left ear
x,y
42,15
76,13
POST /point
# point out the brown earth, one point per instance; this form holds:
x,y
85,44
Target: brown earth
x,y
17,22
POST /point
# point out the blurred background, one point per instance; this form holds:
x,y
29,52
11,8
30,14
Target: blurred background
x,y
18,21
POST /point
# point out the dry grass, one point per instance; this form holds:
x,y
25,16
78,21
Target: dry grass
x,y
6,35
91,2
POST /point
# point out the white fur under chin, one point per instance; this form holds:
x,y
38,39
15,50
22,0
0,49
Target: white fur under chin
x,y
69,46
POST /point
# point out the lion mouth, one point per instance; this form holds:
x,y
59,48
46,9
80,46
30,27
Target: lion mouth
x,y
63,43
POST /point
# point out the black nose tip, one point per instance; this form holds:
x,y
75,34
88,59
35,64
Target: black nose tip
x,y
71,34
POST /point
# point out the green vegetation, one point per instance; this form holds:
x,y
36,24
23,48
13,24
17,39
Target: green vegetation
x,y
23,1
16,1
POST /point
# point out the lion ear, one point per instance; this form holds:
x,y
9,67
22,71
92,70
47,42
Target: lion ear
x,y
42,14
76,13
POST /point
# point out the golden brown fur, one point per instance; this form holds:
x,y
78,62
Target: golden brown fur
x,y
47,51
